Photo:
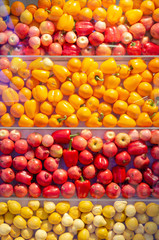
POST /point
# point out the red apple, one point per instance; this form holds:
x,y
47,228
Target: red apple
x,y
128,191
109,136
147,21
41,152
4,134
6,190
96,38
155,152
105,177
113,190
15,135
7,175
34,139
138,30
123,158
24,177
56,151
119,50
134,176
55,49
51,191
70,37
143,190
100,26
89,171
60,176
21,30
86,134
21,146
5,161
95,144
20,190
85,157
141,161
30,154
101,162
13,39
74,172
79,143
155,167
88,51
59,37
103,49
47,27
34,166
155,191
47,140
122,140
46,40
7,146
110,149
19,163
34,42
68,190
145,134
51,164
134,135
44,178
34,190
97,190
34,31
154,137
82,42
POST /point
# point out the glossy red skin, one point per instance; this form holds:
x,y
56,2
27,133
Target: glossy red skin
x,y
47,140
128,191
143,190
24,177
97,190
155,191
113,190
5,161
74,172
119,50
82,187
34,166
134,48
70,49
34,190
20,190
85,157
155,167
84,28
21,30
51,164
119,174
41,152
15,135
19,163
154,137
60,176
4,134
21,146
51,191
34,139
89,171
30,154
134,176
101,162
44,178
149,177
112,34
56,151
155,152
6,190
68,189
7,146
7,175
59,37
110,149
70,157
141,161
150,48
123,158
79,143
86,134
137,148
105,177
55,49
96,38
62,136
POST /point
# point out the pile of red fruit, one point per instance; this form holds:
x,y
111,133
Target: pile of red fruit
x,y
45,164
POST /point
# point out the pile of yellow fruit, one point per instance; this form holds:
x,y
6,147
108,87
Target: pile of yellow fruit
x,y
120,221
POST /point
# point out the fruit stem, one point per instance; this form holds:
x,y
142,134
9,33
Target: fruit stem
x,y
101,117
62,119
82,179
70,145
74,135
97,78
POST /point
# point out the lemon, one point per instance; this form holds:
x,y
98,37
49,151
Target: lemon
x,y
97,209
142,218
152,209
4,229
1,219
138,237
19,238
54,218
49,207
119,217
130,210
62,207
34,205
59,229
128,234
110,223
3,208
41,214
46,226
66,236
110,235
148,236
19,222
26,17
34,222
15,232
151,227
27,233
83,234
87,218
119,228
7,237
14,207
140,207
26,212
131,223
40,235
157,235
90,228
8,218
85,206
74,212
109,211
101,232
51,236
156,219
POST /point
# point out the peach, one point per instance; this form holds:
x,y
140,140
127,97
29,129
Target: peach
x,y
34,42
138,30
34,32
70,37
55,49
13,39
3,38
103,49
21,30
46,39
82,42
47,27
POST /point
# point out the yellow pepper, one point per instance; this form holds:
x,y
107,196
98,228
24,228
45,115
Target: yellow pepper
x,y
83,114
104,108
88,65
136,99
64,108
120,107
55,96
150,107
132,82
92,103
123,94
123,71
25,121
36,64
126,5
133,111
10,96
137,66
41,75
114,13
111,81
144,120
7,120
56,120
126,121
78,79
109,121
72,7
155,119
109,66
61,72
74,65
95,120
133,16
40,93
155,94
98,91
31,108
53,83
76,101
65,23
67,88
72,121
95,78
153,65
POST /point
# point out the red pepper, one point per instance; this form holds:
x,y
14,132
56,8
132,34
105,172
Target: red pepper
x,y
150,49
84,28
51,191
24,177
70,49
137,148
134,48
149,177
62,136
82,187
112,34
119,174
70,156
